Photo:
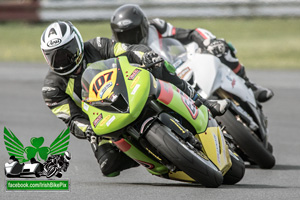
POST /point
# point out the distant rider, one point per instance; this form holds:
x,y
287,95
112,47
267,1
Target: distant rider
x,y
129,24
68,56
55,164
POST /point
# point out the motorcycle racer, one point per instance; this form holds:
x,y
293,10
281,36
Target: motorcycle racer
x,y
68,56
55,164
129,24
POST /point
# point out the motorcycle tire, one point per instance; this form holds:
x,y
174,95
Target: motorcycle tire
x,y
247,142
201,169
236,172
51,171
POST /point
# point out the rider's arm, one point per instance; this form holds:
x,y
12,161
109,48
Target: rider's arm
x,y
204,38
166,29
63,106
167,73
108,48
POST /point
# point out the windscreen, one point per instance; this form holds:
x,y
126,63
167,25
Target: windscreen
x,y
170,49
91,72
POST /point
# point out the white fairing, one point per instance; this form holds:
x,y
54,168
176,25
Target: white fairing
x,y
210,74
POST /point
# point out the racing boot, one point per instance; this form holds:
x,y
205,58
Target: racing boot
x,y
111,160
261,94
216,107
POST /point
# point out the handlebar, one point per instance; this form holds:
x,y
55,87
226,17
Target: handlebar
x,y
152,64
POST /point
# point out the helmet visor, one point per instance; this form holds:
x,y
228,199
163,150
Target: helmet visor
x,y
132,36
65,58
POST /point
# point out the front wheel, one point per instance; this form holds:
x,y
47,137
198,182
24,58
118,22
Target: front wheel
x,y
201,169
247,142
237,170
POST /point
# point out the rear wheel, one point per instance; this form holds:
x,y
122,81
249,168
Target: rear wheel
x,y
247,142
236,172
177,152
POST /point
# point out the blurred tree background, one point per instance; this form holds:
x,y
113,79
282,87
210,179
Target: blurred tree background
x,y
261,42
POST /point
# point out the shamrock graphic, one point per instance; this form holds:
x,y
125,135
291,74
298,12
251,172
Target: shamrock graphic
x,y
15,148
32,151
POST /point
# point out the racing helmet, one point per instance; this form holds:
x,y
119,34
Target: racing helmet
x,y
129,24
62,47
67,156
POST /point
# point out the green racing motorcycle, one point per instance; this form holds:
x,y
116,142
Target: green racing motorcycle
x,y
157,125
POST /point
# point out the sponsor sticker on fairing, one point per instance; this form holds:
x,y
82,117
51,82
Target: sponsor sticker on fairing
x,y
135,89
97,120
105,88
217,147
86,106
110,121
134,74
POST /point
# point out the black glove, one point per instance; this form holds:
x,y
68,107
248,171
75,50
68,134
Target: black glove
x,y
92,138
216,107
89,133
151,58
216,47
190,91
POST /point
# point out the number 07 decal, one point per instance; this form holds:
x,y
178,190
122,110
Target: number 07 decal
x,y
102,84
193,110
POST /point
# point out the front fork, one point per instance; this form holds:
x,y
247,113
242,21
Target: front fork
x,y
214,146
259,127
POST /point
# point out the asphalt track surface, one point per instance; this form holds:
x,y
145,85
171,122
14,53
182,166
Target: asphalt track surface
x,y
23,111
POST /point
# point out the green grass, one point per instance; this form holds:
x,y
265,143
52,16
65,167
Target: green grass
x,y
261,43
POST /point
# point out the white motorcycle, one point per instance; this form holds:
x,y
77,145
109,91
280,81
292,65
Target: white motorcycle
x,y
244,121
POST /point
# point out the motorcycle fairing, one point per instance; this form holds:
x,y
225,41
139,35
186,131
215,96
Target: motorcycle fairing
x,y
211,75
131,90
102,85
176,100
217,153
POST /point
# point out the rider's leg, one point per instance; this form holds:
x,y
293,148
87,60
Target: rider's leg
x,y
111,160
262,94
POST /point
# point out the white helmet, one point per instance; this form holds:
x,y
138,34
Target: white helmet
x,y
67,156
62,47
